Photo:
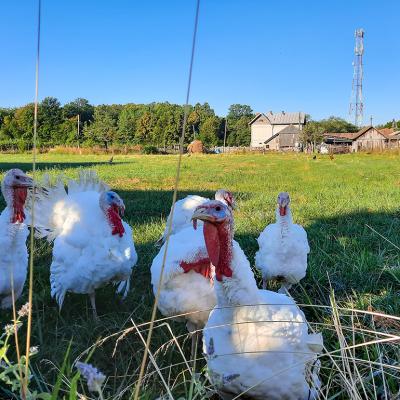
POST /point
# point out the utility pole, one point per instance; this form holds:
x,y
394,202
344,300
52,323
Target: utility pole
x,y
356,102
225,134
78,132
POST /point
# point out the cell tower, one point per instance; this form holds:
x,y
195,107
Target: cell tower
x,y
356,102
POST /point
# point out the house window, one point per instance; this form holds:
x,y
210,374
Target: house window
x,y
267,146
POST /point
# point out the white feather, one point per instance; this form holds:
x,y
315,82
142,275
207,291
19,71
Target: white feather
x,y
13,257
182,214
86,255
183,292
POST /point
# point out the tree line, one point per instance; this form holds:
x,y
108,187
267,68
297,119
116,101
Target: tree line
x,y
154,124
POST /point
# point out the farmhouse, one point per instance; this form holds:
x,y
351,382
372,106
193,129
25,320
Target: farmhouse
x,y
368,138
277,131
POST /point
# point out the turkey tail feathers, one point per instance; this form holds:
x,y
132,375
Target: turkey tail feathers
x,y
50,192
87,181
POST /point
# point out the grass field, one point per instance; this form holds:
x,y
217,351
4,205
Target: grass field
x,y
337,201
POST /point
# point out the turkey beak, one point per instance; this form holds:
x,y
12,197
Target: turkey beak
x,y
122,209
201,214
27,181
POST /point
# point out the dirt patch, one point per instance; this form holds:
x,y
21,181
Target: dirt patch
x,y
123,182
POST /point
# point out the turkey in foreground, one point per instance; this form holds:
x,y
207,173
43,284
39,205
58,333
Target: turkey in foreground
x,y
256,342
283,248
13,251
187,284
184,210
92,245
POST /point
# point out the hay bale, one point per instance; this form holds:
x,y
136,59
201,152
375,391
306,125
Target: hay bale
x,y
195,147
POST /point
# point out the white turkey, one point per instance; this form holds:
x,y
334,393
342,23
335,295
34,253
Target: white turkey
x,y
13,251
256,342
283,248
184,210
187,284
93,246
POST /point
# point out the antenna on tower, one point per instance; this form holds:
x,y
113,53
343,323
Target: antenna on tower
x,y
356,102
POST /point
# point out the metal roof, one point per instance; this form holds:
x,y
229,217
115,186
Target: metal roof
x,y
291,129
285,118
282,118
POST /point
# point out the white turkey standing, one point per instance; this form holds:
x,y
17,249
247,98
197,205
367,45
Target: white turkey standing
x,y
283,248
93,246
187,284
13,250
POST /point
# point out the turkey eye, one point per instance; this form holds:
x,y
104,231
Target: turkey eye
x,y
218,208
17,177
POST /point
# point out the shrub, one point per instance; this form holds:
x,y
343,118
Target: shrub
x,y
150,150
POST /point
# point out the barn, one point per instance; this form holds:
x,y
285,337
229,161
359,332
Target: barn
x,y
266,129
368,138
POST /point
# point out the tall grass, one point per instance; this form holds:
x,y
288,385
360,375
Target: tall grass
x,y
338,201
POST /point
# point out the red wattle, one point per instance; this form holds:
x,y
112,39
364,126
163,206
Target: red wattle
x,y
115,221
201,266
212,242
220,258
282,211
19,197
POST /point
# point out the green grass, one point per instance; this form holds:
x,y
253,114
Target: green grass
x,y
334,200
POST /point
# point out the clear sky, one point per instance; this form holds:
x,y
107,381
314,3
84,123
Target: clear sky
x,y
271,54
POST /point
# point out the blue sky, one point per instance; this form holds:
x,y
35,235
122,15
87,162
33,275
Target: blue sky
x,y
274,55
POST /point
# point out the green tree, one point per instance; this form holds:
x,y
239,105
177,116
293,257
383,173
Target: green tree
x,y
24,122
49,119
312,134
194,121
144,128
237,111
240,134
127,122
238,129
391,124
209,131
104,129
80,107
337,124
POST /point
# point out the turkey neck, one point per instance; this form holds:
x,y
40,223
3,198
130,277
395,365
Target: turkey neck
x,y
233,284
284,221
15,197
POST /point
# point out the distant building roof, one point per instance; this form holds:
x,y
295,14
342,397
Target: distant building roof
x,y
387,131
348,136
340,135
291,129
287,137
285,118
282,118
395,135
